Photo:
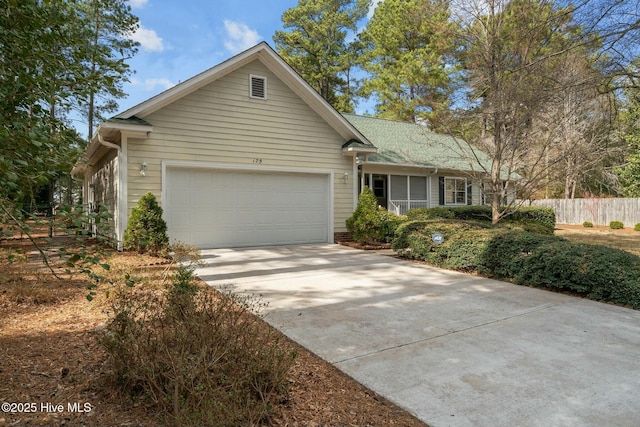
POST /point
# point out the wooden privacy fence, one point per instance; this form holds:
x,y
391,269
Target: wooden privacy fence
x,y
599,211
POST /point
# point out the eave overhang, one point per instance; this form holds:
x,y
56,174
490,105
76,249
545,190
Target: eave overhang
x,y
109,134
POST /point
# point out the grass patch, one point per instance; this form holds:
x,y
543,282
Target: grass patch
x,y
626,241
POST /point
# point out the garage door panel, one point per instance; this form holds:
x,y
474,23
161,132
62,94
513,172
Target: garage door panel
x,y
213,208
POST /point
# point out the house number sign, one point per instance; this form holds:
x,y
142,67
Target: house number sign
x,y
257,161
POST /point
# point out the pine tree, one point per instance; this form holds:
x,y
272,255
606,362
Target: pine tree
x,y
409,47
314,43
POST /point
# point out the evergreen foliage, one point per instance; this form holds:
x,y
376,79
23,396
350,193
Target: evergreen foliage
x,y
369,224
147,230
52,61
408,55
531,259
616,225
314,43
533,218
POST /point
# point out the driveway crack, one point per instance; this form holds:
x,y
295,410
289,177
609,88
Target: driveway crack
x,y
452,332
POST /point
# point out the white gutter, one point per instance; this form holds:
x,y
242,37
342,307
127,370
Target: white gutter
x,y
107,143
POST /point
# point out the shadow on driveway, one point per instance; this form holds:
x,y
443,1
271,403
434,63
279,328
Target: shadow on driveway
x,y
453,349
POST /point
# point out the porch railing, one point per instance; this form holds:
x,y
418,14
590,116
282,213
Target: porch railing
x,y
399,207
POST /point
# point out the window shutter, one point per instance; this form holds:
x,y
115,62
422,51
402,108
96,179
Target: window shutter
x,y
469,192
441,191
258,88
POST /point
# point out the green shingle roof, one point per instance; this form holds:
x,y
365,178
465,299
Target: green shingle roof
x,y
133,120
402,143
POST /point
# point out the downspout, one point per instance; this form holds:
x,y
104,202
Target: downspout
x,y
118,225
354,174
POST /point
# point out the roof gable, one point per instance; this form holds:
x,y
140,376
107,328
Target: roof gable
x,y
265,54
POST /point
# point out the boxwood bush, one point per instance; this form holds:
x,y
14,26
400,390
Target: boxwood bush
x,y
423,214
526,258
616,225
526,215
597,272
462,249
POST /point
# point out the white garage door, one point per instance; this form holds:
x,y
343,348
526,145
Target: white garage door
x,y
213,208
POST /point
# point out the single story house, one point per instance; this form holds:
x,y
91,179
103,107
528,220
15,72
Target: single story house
x,y
248,154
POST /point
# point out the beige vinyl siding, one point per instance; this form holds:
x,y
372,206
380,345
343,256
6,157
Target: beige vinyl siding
x,y
221,124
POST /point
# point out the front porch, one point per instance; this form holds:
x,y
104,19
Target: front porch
x,y
399,193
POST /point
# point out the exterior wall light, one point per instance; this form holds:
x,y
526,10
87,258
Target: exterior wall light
x,y
143,169
345,177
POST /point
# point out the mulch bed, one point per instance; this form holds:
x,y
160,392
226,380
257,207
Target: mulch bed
x,y
50,357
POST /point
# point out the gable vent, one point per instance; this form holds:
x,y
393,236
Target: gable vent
x,y
258,87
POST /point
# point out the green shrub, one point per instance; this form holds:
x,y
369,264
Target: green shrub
x,y
424,214
525,225
597,272
146,230
526,258
462,249
369,224
616,225
541,215
637,227
198,355
470,213
390,222
526,215
587,224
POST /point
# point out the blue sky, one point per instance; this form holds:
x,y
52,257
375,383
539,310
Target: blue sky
x,y
179,39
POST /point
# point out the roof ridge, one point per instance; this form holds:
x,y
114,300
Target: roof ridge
x,y
380,118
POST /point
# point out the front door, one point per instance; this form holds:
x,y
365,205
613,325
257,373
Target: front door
x,y
378,183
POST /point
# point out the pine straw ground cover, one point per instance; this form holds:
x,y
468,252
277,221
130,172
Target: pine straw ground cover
x,y
49,356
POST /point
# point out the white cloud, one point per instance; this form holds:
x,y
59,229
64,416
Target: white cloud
x,y
239,36
153,84
372,8
138,4
148,39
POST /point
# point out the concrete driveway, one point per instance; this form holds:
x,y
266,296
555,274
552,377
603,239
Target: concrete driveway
x,y
453,349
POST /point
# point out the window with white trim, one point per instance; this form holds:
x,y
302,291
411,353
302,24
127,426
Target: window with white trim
x,y
257,87
487,193
455,191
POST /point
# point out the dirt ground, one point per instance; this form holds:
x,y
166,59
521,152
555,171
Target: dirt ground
x,y
53,372
626,239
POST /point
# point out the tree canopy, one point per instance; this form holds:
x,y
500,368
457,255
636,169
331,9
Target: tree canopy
x,y
409,48
45,54
314,42
536,84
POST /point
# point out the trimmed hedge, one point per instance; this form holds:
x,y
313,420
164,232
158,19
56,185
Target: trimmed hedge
x,y
616,225
532,259
597,272
462,249
545,217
